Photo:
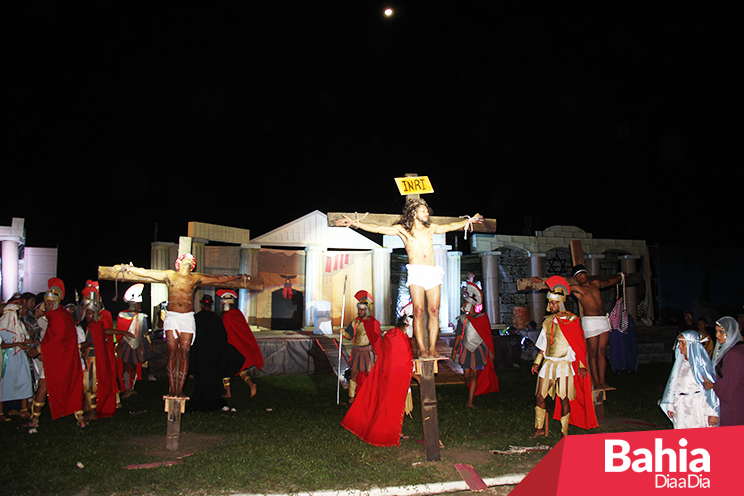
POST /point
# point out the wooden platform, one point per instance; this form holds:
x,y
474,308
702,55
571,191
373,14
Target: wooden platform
x,y
300,353
270,341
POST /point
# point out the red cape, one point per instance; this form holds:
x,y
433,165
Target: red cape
x,y
62,367
487,382
106,370
240,335
582,408
376,416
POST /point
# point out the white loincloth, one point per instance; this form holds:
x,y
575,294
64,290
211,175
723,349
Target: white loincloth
x,y
180,322
425,276
595,325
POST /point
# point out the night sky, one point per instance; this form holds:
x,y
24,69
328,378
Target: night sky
x,y
123,123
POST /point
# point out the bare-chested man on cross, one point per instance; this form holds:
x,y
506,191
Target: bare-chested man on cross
x,y
594,320
179,324
424,276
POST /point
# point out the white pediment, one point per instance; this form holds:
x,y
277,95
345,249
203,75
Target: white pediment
x,y
313,230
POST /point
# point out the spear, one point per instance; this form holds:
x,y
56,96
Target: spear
x,y
341,344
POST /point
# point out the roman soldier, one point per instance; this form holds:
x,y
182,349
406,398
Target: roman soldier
x,y
564,367
133,349
99,378
60,351
473,346
364,332
240,335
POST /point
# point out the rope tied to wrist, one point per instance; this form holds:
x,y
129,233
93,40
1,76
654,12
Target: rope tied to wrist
x,y
358,220
468,226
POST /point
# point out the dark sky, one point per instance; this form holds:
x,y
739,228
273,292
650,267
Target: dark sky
x,y
619,118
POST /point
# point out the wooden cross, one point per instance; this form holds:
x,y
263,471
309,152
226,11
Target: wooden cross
x,y
174,405
426,367
111,274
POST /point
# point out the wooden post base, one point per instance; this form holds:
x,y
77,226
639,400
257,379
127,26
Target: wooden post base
x,y
426,369
599,396
174,407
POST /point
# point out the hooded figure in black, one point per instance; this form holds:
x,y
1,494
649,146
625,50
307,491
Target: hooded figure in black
x,y
211,359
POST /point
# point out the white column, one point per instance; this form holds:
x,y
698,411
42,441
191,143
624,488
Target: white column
x,y
381,285
452,278
538,299
248,300
9,258
492,303
12,239
314,267
440,259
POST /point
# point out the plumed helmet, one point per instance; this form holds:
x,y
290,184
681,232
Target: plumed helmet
x,y
227,294
91,300
134,293
473,296
364,298
559,289
56,290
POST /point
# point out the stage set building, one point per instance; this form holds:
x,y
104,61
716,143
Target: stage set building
x,y
24,268
305,266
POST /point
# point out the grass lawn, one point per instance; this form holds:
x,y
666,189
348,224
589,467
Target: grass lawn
x,y
288,439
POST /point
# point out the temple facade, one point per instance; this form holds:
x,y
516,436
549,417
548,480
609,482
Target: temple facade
x,y
311,271
24,268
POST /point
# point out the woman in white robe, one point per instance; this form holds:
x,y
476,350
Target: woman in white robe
x,y
685,401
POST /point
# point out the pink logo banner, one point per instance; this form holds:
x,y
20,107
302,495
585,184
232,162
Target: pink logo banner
x,y
693,461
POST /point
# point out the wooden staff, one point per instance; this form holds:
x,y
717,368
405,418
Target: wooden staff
x,y
341,344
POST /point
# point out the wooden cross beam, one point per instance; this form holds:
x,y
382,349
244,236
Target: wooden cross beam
x,y
488,225
110,274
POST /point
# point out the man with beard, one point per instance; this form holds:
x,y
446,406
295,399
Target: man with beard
x,y
424,276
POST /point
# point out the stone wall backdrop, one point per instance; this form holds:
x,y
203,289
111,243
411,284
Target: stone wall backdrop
x,y
513,265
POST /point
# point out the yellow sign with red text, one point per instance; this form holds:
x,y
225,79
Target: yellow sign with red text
x,y
414,185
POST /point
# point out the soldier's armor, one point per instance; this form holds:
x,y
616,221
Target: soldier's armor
x,y
360,334
557,346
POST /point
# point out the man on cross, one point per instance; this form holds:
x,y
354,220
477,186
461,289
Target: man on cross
x,y
594,320
424,276
179,324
